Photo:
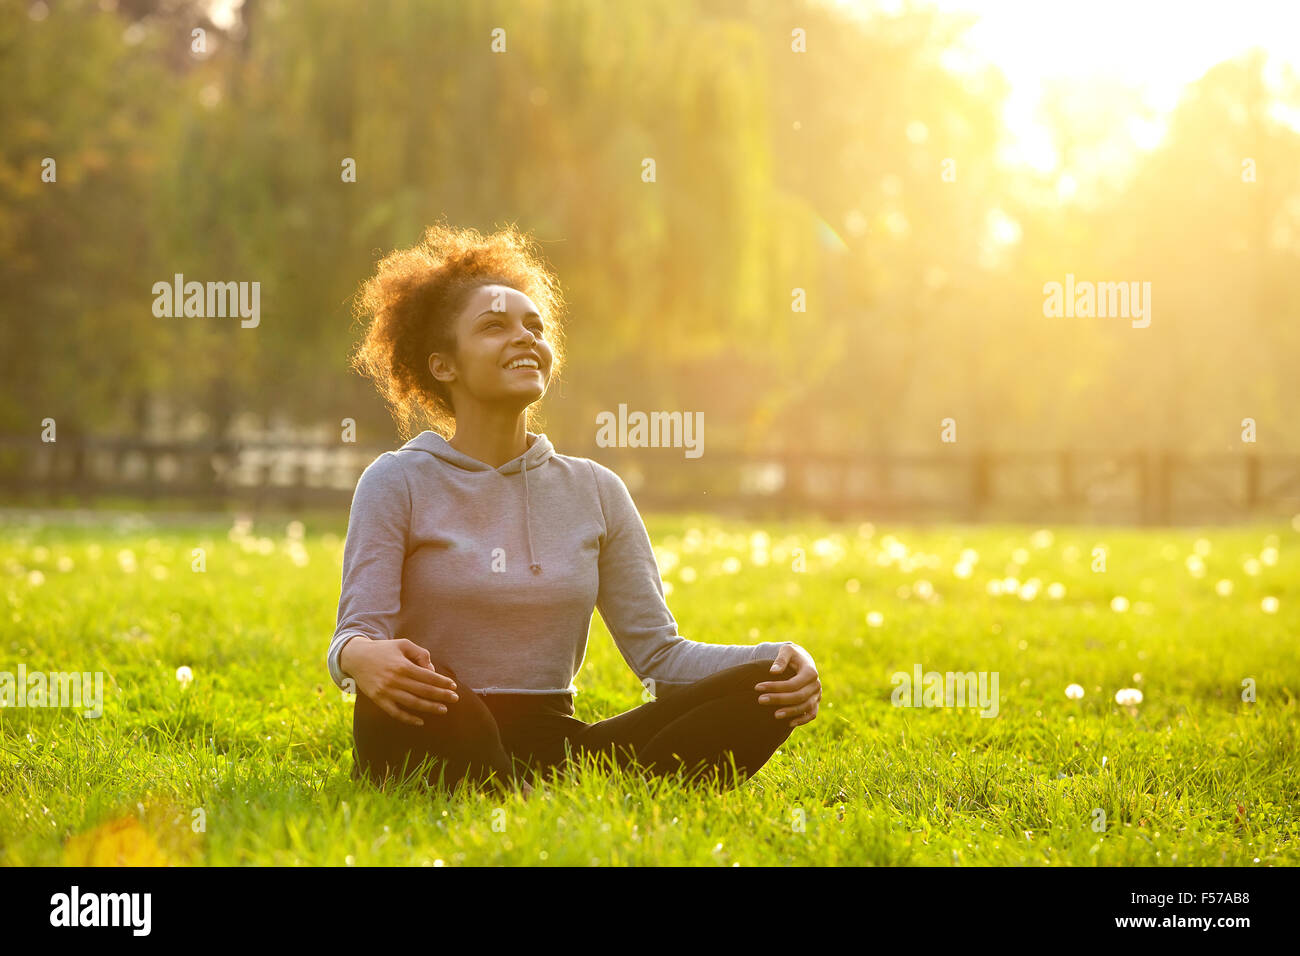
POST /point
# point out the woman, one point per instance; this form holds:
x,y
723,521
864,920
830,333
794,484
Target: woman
x,y
472,565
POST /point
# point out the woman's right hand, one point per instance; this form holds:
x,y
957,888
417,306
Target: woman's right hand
x,y
398,676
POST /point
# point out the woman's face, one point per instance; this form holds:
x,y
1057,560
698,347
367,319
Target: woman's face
x,y
498,326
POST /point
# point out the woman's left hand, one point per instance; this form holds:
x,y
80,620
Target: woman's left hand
x,y
798,697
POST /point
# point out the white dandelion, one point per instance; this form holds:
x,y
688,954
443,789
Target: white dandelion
x,y
1074,692
1128,697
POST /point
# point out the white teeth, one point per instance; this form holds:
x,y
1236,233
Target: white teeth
x,y
518,363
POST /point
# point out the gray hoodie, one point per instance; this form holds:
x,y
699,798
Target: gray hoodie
x,y
496,571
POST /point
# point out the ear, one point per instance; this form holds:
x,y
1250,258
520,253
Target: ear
x,y
439,369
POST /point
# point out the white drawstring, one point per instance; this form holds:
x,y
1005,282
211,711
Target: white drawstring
x,y
537,568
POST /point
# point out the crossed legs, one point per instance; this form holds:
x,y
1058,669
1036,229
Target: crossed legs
x,y
704,730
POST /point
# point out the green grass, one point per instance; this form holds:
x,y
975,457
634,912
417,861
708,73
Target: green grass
x,y
259,742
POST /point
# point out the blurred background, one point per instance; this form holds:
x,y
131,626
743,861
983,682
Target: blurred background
x,y
840,261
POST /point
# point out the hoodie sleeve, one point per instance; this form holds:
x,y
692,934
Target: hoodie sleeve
x,y
373,555
631,602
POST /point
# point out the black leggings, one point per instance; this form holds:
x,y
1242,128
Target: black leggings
x,y
699,729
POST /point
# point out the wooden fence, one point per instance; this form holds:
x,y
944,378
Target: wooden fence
x,y
1142,486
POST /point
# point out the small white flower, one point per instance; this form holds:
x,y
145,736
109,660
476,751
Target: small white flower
x,y
1119,603
875,619
1128,697
1056,590
1074,692
184,675
1269,605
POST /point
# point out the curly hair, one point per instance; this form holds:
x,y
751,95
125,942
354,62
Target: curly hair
x,y
411,303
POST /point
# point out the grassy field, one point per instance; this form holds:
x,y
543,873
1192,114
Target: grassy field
x,y
248,761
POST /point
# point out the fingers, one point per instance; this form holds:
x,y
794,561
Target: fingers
x,y
395,712
807,715
407,708
783,655
414,705
426,691
428,676
416,654
796,708
785,658
804,693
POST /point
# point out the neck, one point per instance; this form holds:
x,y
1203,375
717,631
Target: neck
x,y
491,439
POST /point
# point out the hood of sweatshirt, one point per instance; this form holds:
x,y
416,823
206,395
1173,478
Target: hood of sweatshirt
x,y
538,453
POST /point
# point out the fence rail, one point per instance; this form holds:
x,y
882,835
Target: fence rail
x,y
1130,486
